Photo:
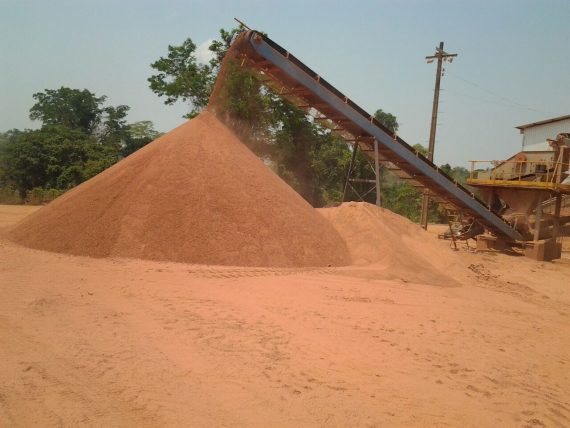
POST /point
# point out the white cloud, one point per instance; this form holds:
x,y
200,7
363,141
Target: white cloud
x,y
203,54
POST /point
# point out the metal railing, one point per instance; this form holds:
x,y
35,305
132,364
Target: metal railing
x,y
524,173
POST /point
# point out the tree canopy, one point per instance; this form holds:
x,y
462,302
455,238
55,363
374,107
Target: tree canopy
x,y
72,108
181,77
139,134
79,138
387,119
53,157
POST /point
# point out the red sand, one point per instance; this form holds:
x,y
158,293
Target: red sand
x,y
118,342
393,245
195,195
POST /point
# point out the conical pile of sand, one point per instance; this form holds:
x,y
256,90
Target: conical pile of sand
x,y
195,195
394,246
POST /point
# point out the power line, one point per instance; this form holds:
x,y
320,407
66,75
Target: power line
x,y
485,100
510,102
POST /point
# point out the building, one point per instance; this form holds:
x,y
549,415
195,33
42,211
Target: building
x,y
535,134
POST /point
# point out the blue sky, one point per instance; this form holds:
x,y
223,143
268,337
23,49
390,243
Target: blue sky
x,y
513,65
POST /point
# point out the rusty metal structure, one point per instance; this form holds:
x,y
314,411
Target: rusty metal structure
x,y
291,79
524,187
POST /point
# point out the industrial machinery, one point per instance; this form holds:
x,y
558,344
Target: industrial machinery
x,y
288,77
520,188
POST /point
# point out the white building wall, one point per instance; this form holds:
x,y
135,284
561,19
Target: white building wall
x,y
534,138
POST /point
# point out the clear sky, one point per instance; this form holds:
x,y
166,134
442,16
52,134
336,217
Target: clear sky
x,y
513,65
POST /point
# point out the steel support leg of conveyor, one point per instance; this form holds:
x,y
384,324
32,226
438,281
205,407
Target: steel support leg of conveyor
x,y
424,213
538,218
377,172
557,209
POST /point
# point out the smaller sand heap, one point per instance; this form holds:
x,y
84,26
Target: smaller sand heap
x,y
394,246
195,195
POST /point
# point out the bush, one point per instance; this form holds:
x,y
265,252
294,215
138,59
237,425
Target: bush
x,y
39,196
10,196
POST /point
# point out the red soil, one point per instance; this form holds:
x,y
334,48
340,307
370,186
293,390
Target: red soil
x,y
394,246
195,195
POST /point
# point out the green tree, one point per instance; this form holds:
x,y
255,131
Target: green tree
x,y
72,108
79,138
221,46
388,120
421,149
330,159
294,140
139,135
54,157
81,110
143,129
181,77
458,173
244,106
114,130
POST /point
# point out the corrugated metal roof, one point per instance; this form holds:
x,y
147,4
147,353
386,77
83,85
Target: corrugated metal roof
x,y
543,122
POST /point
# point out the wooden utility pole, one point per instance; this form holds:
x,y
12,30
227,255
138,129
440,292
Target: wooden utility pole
x,y
441,56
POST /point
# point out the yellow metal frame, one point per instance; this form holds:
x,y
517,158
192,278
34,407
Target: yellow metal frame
x,y
544,185
549,180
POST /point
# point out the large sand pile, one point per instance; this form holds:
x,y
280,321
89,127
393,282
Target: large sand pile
x,y
195,195
393,245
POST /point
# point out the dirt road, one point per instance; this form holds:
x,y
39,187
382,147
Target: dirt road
x,y
117,342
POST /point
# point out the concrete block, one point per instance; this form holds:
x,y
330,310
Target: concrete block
x,y
489,242
543,250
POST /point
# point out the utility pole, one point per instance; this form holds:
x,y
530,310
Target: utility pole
x,y
441,56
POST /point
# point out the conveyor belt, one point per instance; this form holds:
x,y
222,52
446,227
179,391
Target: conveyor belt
x,y
293,80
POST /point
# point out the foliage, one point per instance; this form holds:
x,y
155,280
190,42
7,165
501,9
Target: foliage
x,y
41,196
293,139
79,138
139,135
405,200
330,159
72,108
396,195
457,173
53,157
36,196
249,110
220,47
143,129
10,196
388,120
114,130
83,111
181,77
421,149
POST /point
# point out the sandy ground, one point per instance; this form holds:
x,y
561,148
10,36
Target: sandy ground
x,y
117,342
